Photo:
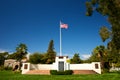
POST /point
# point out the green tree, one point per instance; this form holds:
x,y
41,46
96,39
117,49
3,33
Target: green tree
x,y
111,10
3,56
76,59
104,33
21,51
11,56
51,54
100,53
95,57
36,58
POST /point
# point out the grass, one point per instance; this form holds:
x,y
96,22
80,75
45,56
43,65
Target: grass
x,y
9,75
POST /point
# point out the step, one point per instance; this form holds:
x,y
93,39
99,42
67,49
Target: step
x,y
84,72
42,72
47,72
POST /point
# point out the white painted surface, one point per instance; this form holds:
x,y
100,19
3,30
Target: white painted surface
x,y
86,66
99,67
80,66
42,66
67,66
25,70
114,69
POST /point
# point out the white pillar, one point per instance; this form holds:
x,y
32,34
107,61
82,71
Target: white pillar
x,y
25,67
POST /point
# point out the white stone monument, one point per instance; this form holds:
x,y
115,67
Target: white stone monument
x,y
61,63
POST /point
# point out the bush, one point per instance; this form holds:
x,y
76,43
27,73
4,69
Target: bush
x,y
115,71
118,72
17,71
68,72
55,72
1,68
105,70
7,68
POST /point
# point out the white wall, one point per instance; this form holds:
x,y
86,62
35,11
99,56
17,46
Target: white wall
x,y
42,67
99,67
67,66
45,66
25,70
80,67
86,66
114,69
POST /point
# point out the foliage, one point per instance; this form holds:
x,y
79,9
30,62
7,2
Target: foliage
x,y
21,51
114,58
3,56
12,56
104,33
117,64
46,58
105,70
5,68
100,53
89,9
53,72
100,50
66,72
2,68
110,9
93,58
50,55
76,59
36,58
17,71
115,71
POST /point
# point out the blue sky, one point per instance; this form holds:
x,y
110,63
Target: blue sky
x,y
36,22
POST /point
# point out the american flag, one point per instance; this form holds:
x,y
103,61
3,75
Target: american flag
x,y
62,25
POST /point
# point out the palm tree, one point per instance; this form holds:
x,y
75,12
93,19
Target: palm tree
x,y
101,54
21,51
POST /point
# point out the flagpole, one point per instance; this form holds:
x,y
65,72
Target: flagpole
x,y
60,40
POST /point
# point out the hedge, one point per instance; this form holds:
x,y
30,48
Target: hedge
x,y
66,72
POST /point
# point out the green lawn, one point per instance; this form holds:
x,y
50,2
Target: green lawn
x,y
8,75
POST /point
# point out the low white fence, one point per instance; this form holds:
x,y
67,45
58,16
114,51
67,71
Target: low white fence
x,y
80,67
114,69
95,66
41,66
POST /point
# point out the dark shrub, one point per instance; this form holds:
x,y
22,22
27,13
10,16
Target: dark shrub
x,y
105,70
55,72
7,68
1,68
68,72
